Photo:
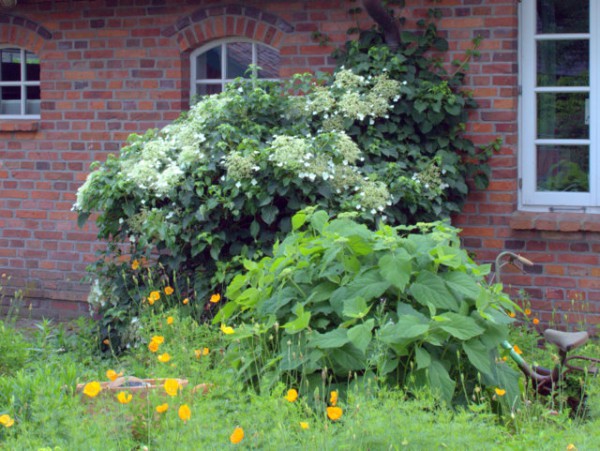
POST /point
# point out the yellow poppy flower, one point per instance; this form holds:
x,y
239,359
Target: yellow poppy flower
x,y
186,301
153,346
215,298
106,341
334,413
154,296
171,386
162,408
304,425
333,398
135,265
512,314
124,397
227,330
112,374
170,320
6,421
527,312
184,412
237,435
536,321
201,352
158,339
517,350
571,447
292,395
92,389
164,358
169,291
500,391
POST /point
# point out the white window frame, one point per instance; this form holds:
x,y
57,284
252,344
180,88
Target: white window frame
x,y
23,84
531,199
223,44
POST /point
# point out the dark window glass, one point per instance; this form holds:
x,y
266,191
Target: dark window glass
x,y
563,168
239,57
563,16
268,60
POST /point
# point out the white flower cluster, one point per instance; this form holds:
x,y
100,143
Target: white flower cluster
x,y
240,166
374,197
358,97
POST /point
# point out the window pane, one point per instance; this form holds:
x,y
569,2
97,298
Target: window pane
x,y
10,100
563,168
32,70
563,63
10,93
203,89
208,64
11,65
563,16
33,100
562,115
239,57
268,61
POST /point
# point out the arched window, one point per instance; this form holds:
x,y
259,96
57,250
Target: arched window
x,y
218,63
19,83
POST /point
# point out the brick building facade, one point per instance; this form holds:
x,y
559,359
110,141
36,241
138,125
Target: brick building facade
x,y
109,68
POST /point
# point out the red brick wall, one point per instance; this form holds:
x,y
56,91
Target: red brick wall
x,y
113,67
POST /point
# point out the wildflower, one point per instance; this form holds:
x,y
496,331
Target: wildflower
x,y
237,435
106,341
135,265
201,352
536,321
162,408
169,291
334,413
333,398
504,358
517,350
159,339
227,330
571,447
500,391
112,375
186,301
92,389
6,421
292,395
153,297
153,346
124,397
304,425
170,320
527,312
215,298
171,386
184,412
164,358
511,314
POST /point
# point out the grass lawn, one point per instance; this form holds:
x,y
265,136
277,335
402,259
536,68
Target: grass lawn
x,y
40,370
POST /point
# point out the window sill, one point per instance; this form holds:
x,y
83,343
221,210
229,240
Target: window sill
x,y
19,125
555,222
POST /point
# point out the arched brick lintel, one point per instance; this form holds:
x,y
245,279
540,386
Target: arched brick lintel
x,y
206,24
23,32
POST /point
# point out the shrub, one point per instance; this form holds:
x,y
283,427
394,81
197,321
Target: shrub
x,y
403,303
381,137
14,350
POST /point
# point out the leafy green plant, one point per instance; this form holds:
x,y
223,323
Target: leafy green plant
x,y
382,136
14,350
403,303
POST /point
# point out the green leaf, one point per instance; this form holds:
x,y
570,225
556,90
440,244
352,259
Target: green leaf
x,y
356,308
368,285
347,358
422,357
360,336
269,213
429,288
298,220
334,339
318,220
396,268
461,284
300,323
407,328
478,355
254,229
461,327
440,381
